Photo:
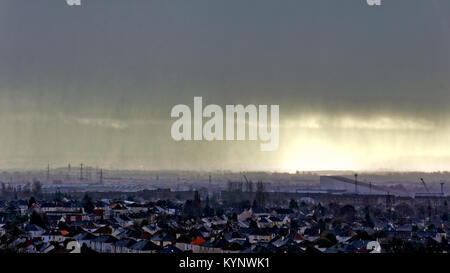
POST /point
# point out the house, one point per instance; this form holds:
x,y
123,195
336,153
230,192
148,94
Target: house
x,y
89,227
279,221
235,247
183,243
151,229
261,248
233,236
53,236
130,233
104,243
163,239
104,230
85,238
291,247
117,209
196,243
213,246
144,246
76,217
136,208
264,221
123,245
281,241
341,248
124,221
259,235
98,214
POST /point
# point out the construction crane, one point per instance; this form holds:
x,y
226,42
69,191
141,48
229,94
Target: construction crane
x,y
429,197
425,185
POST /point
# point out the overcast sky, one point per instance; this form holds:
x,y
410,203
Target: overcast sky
x,y
359,87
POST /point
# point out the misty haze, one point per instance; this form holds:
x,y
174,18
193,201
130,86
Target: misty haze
x,y
97,157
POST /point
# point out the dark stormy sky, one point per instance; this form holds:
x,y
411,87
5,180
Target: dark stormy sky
x,y
359,87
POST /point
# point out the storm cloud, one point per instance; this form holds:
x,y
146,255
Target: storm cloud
x,y
359,87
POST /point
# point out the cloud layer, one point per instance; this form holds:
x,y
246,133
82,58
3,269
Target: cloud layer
x,y
358,87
